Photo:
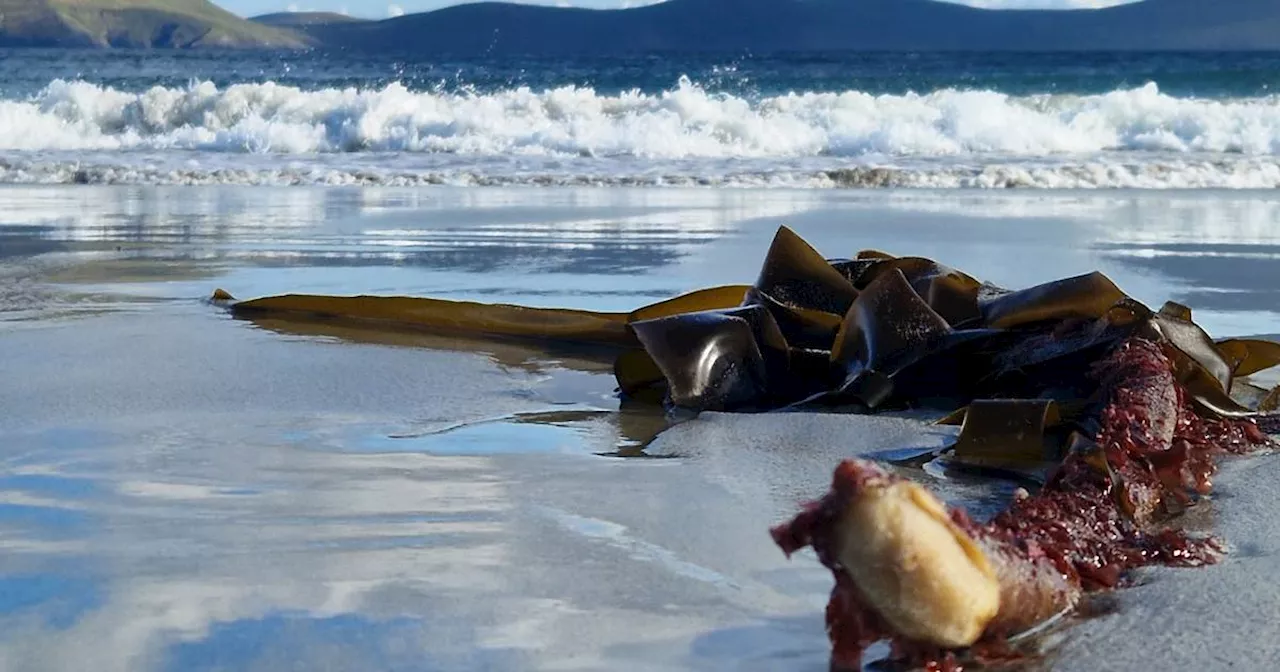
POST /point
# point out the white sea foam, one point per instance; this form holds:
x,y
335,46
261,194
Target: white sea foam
x,y
684,122
1142,138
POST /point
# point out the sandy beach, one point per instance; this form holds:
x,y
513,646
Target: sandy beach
x,y
182,490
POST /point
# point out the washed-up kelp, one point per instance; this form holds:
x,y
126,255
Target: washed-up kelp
x,y
1116,412
873,332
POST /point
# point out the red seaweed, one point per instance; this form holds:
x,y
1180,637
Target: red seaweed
x,y
1094,520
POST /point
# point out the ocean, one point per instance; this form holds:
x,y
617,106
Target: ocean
x,y
819,120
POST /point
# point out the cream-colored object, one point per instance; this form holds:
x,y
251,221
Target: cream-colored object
x,y
924,575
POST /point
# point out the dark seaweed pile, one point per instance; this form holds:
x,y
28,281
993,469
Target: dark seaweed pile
x,y
871,333
881,332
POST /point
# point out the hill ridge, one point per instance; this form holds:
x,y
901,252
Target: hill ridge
x,y
135,23
495,28
689,26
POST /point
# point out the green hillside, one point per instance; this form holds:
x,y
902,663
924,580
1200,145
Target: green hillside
x,y
135,23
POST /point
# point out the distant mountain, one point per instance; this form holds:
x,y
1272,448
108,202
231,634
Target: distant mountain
x,y
498,29
304,19
801,25
135,23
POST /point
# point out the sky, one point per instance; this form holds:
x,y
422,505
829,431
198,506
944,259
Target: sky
x,y
381,9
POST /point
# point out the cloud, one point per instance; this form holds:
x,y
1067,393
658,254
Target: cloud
x,y
395,10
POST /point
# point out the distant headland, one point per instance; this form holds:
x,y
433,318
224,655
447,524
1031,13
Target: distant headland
x,y
135,23
676,26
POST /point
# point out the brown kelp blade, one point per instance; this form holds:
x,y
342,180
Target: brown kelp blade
x,y
1065,412
954,418
795,274
526,354
887,323
1196,344
802,327
1008,433
711,360
1254,397
1271,402
714,334
1063,351
1081,297
635,370
1175,309
1204,389
713,298
853,269
1247,356
873,254
886,328
1199,364
458,317
950,293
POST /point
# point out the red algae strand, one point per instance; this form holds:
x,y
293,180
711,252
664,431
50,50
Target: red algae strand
x,y
1092,522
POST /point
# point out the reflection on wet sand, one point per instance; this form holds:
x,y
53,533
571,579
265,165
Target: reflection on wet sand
x,y
599,233
165,234
28,242
601,247
1218,253
223,553
1213,277
369,541
637,424
530,356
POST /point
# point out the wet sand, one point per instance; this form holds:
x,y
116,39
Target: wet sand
x,y
183,490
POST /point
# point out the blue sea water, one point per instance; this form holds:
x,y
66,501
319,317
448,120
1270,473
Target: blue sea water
x,y
814,119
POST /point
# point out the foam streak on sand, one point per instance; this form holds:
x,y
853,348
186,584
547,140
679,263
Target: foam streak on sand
x,y
685,135
401,170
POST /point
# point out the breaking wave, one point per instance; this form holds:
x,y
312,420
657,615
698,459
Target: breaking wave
x,y
271,134
683,122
